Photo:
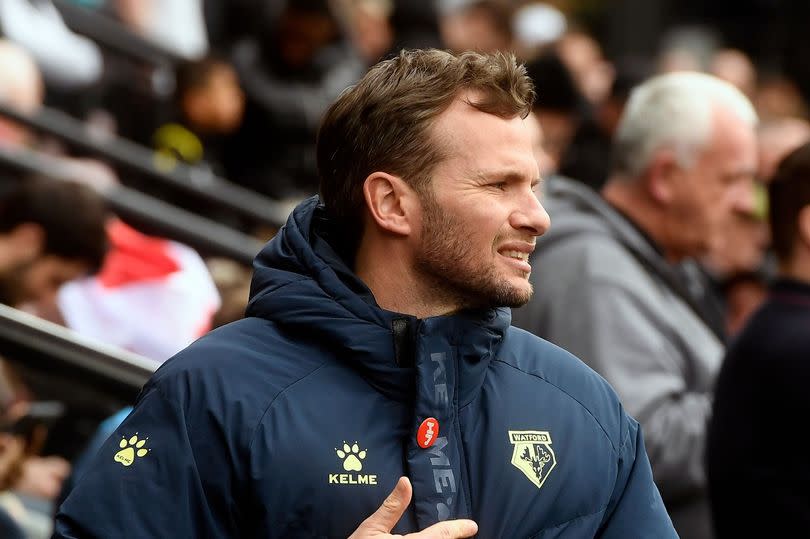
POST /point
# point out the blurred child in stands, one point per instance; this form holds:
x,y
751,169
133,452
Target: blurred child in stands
x,y
211,106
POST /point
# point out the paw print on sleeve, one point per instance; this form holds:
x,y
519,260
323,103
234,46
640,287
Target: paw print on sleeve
x,y
351,456
130,449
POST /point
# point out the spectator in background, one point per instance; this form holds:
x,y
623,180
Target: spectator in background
x,y
762,387
211,108
475,25
175,25
416,25
587,157
609,288
735,67
68,61
534,26
737,267
559,106
50,233
151,296
775,139
779,97
583,57
290,73
21,88
370,27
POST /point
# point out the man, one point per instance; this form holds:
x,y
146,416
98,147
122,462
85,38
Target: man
x,y
51,232
376,354
609,289
738,267
762,387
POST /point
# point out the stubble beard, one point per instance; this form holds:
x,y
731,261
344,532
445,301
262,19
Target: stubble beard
x,y
449,267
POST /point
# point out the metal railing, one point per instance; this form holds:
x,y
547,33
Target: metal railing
x,y
47,346
196,181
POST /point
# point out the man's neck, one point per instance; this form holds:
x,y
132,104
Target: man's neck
x,y
388,272
630,200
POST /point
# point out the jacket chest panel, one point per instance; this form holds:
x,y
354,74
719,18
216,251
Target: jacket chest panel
x,y
534,461
343,456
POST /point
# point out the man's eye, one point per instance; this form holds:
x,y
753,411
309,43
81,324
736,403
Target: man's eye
x,y
499,185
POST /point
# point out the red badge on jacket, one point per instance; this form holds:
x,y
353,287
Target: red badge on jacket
x,y
427,433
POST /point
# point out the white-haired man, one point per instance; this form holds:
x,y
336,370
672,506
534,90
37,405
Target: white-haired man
x,y
610,289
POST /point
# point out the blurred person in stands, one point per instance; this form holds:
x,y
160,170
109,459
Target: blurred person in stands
x,y
378,308
737,267
67,60
587,157
536,25
610,288
776,138
779,97
175,25
416,25
762,386
21,88
151,296
211,108
50,233
736,67
475,25
290,72
583,56
370,27
559,107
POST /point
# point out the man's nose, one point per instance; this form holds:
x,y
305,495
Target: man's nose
x,y
745,198
531,216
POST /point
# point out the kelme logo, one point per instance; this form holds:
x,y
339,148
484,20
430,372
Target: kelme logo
x,y
351,458
130,450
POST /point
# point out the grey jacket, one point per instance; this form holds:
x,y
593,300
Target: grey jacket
x,y
603,292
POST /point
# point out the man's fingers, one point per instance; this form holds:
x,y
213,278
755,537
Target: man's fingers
x,y
449,529
389,513
386,517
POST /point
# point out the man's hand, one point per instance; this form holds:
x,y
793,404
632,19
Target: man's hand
x,y
379,524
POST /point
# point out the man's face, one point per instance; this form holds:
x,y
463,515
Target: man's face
x,y
38,279
481,213
720,183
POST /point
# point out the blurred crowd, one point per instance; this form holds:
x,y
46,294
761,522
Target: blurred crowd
x,y
238,92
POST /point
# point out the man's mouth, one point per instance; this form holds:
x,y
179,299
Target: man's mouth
x,y
517,255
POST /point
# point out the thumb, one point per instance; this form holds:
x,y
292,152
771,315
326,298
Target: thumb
x,y
391,510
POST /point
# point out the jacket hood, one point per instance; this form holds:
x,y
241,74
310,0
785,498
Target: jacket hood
x,y
302,285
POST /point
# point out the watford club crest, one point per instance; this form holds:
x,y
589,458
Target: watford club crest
x,y
532,454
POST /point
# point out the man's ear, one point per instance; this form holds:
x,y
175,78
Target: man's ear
x,y
28,240
390,202
662,177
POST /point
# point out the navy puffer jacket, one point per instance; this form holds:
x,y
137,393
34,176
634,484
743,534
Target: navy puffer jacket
x,y
298,420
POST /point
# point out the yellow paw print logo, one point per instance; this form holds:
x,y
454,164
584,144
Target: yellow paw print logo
x,y
351,457
130,449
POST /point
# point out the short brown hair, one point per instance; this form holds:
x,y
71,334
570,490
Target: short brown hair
x,y
72,215
382,123
789,192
